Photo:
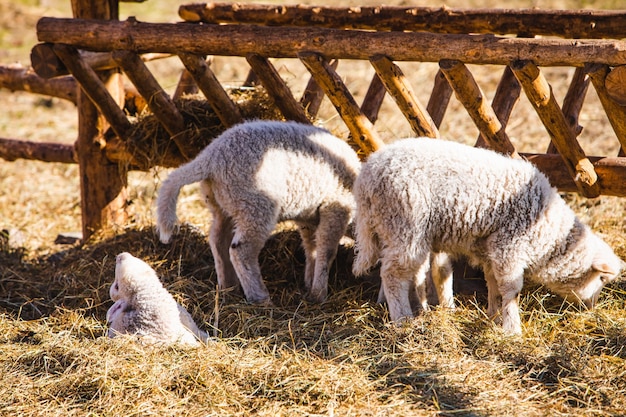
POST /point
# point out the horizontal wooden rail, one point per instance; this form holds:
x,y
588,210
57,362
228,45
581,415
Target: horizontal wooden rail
x,y
288,42
564,23
18,78
610,170
47,64
12,149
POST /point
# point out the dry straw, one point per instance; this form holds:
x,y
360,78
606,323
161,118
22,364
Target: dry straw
x,y
339,358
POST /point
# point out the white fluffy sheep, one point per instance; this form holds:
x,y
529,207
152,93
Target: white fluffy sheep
x,y
143,307
257,174
419,196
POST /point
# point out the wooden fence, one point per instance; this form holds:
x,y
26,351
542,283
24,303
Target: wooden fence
x,y
92,46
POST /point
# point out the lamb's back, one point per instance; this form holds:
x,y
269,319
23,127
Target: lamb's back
x,y
295,165
454,193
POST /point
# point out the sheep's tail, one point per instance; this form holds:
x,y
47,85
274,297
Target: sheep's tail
x,y
167,220
367,246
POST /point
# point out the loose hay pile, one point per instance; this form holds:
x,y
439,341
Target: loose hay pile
x,y
340,358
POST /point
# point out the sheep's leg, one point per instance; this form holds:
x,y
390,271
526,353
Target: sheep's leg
x,y
381,295
220,238
419,281
250,236
396,283
332,225
441,272
510,287
308,243
494,299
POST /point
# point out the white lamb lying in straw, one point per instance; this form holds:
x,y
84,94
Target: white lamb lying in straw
x,y
143,307
419,196
257,174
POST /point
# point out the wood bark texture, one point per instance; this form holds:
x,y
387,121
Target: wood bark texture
x,y
373,98
360,127
565,23
540,95
313,95
103,186
277,89
472,98
506,96
398,87
94,88
12,149
616,85
288,42
614,112
18,78
213,91
48,65
439,98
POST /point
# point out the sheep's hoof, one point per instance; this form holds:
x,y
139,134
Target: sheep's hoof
x,y
315,298
265,302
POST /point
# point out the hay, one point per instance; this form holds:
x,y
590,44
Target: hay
x,y
151,145
341,357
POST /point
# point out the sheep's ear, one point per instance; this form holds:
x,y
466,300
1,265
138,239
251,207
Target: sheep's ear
x,y
605,267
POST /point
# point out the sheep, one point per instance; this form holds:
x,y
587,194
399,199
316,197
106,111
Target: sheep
x,y
420,195
143,307
255,175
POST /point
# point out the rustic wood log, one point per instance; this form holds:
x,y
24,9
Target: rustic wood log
x,y
186,86
614,112
287,42
18,78
565,23
616,85
224,108
472,98
277,89
373,98
103,187
47,64
506,96
12,149
158,100
439,98
401,91
540,95
313,94
94,88
361,129
573,102
611,172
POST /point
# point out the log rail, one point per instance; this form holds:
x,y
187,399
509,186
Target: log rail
x,y
320,37
574,24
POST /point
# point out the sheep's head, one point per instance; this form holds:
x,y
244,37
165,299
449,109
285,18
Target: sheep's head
x,y
604,267
131,274
116,317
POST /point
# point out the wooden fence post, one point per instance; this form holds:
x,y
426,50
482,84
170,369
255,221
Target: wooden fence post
x,y
102,184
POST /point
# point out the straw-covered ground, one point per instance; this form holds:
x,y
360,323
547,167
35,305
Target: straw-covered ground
x,y
341,358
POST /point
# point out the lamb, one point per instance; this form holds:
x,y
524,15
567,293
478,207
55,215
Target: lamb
x,y
420,195
143,307
257,174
